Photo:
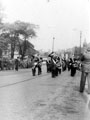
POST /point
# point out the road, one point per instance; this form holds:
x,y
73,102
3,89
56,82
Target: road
x,y
24,97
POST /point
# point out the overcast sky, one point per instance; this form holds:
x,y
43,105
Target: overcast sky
x,y
62,19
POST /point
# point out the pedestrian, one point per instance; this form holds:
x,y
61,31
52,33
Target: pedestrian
x,y
53,67
33,65
58,64
85,69
69,64
73,67
39,65
16,64
34,70
48,65
53,64
63,65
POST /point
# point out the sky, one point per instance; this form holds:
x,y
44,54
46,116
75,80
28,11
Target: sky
x,y
61,19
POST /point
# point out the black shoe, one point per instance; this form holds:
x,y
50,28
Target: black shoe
x,y
80,91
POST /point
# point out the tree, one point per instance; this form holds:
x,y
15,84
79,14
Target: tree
x,y
11,34
1,13
2,44
26,31
17,32
9,37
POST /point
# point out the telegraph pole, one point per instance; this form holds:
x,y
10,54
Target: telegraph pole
x,y
80,40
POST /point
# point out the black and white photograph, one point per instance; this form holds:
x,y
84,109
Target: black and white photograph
x,y
44,59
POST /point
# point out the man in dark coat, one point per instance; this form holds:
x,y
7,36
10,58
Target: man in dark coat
x,y
73,67
39,65
53,64
16,64
33,65
85,69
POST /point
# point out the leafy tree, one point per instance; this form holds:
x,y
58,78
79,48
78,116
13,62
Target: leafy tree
x,y
17,34
8,34
3,44
26,31
14,33
1,13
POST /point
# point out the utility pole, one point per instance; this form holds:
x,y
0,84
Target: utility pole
x,y
53,44
80,40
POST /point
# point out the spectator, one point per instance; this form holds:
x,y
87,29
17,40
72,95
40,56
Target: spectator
x,y
85,69
16,64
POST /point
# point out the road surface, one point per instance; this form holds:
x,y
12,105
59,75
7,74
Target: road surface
x,y
24,97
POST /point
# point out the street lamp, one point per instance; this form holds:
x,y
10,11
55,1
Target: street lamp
x,y
80,38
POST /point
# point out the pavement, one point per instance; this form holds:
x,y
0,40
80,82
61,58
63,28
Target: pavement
x,y
24,97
